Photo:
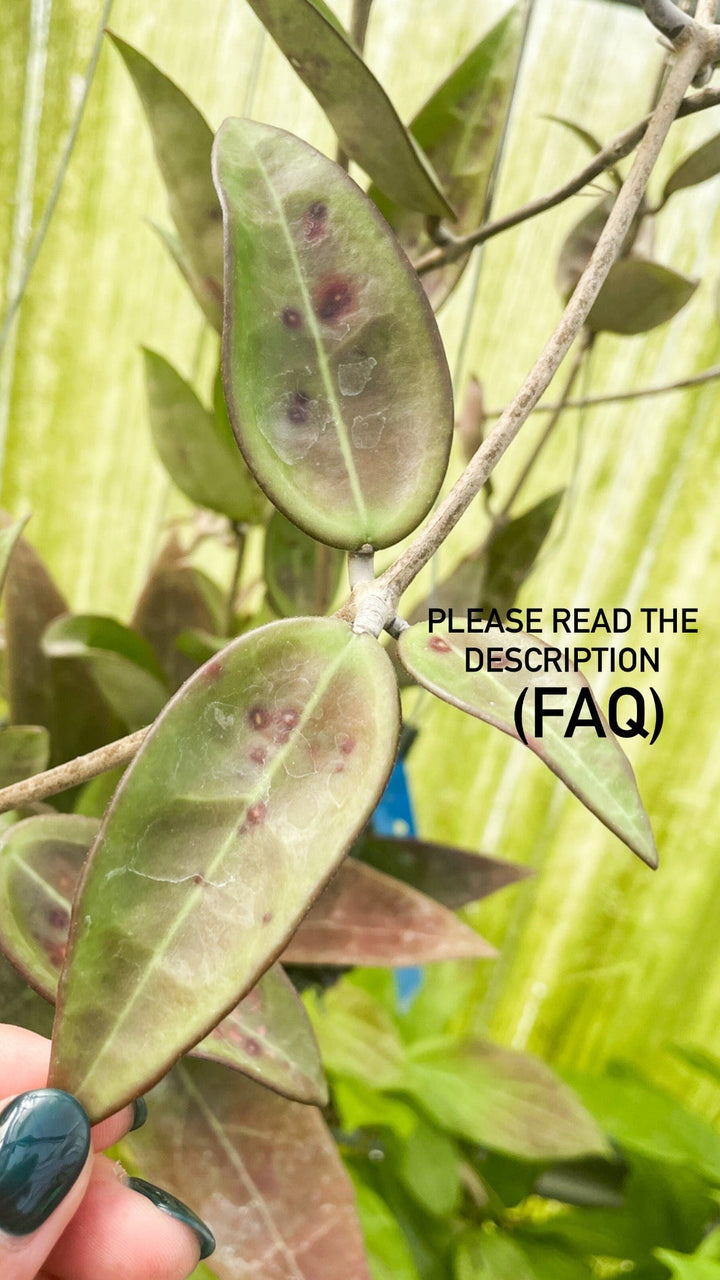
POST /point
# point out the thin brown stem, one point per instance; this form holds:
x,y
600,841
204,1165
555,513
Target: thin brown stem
x,y
622,397
65,776
616,150
240,536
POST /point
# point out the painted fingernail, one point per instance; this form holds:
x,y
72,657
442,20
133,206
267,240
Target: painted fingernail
x,y
140,1114
44,1143
170,1204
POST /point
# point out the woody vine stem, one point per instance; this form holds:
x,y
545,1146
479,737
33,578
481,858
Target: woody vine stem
x,y
372,605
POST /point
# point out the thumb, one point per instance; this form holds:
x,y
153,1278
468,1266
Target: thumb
x,y
44,1169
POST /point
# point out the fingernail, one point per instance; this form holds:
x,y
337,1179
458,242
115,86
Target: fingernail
x,y
176,1209
44,1143
140,1114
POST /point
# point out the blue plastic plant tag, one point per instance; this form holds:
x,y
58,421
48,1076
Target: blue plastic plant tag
x,y
394,817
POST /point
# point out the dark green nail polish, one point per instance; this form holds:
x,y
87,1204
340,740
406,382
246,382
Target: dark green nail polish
x,y
44,1143
140,1114
176,1209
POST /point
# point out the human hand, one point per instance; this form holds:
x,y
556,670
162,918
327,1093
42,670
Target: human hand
x,y
67,1212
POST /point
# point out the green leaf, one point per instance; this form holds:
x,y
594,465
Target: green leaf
x,y
302,576
366,918
490,1255
460,129
593,1183
639,295
182,140
430,1169
359,1106
197,448
389,1257
683,1267
267,1036
452,876
20,1005
643,1118
511,555
595,768
579,244
700,165
357,1037
504,1100
24,750
355,103
233,815
176,597
269,1181
121,663
699,1059
327,326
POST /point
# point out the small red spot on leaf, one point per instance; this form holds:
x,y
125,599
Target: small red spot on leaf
x,y
252,1047
315,220
291,318
290,717
258,755
438,644
213,670
197,878
256,814
259,717
267,917
335,298
347,745
58,917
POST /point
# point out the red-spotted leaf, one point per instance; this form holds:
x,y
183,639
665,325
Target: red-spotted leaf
x,y
243,799
177,597
264,1173
452,876
182,140
504,1100
335,377
356,105
24,750
197,448
460,129
595,768
301,575
364,917
267,1036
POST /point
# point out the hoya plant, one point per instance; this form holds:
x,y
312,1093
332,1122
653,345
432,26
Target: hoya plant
x,y
192,796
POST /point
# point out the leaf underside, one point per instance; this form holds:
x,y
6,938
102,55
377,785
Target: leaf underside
x,y
452,876
240,804
595,769
335,377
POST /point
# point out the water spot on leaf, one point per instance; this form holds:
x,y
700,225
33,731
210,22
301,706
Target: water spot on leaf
x,y
291,318
335,298
315,220
367,430
354,376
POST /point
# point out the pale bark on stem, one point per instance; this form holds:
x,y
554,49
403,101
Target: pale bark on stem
x,y
699,379
616,150
65,776
391,584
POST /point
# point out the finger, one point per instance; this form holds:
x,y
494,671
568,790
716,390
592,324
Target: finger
x,y
24,1064
118,1234
45,1164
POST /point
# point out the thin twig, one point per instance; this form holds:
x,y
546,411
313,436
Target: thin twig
x,y
240,536
622,397
391,584
616,150
65,776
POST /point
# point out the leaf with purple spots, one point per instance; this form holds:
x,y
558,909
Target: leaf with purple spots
x,y
595,768
358,108
335,376
182,140
243,799
267,1036
364,917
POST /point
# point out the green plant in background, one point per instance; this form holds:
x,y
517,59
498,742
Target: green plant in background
x,y
210,859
